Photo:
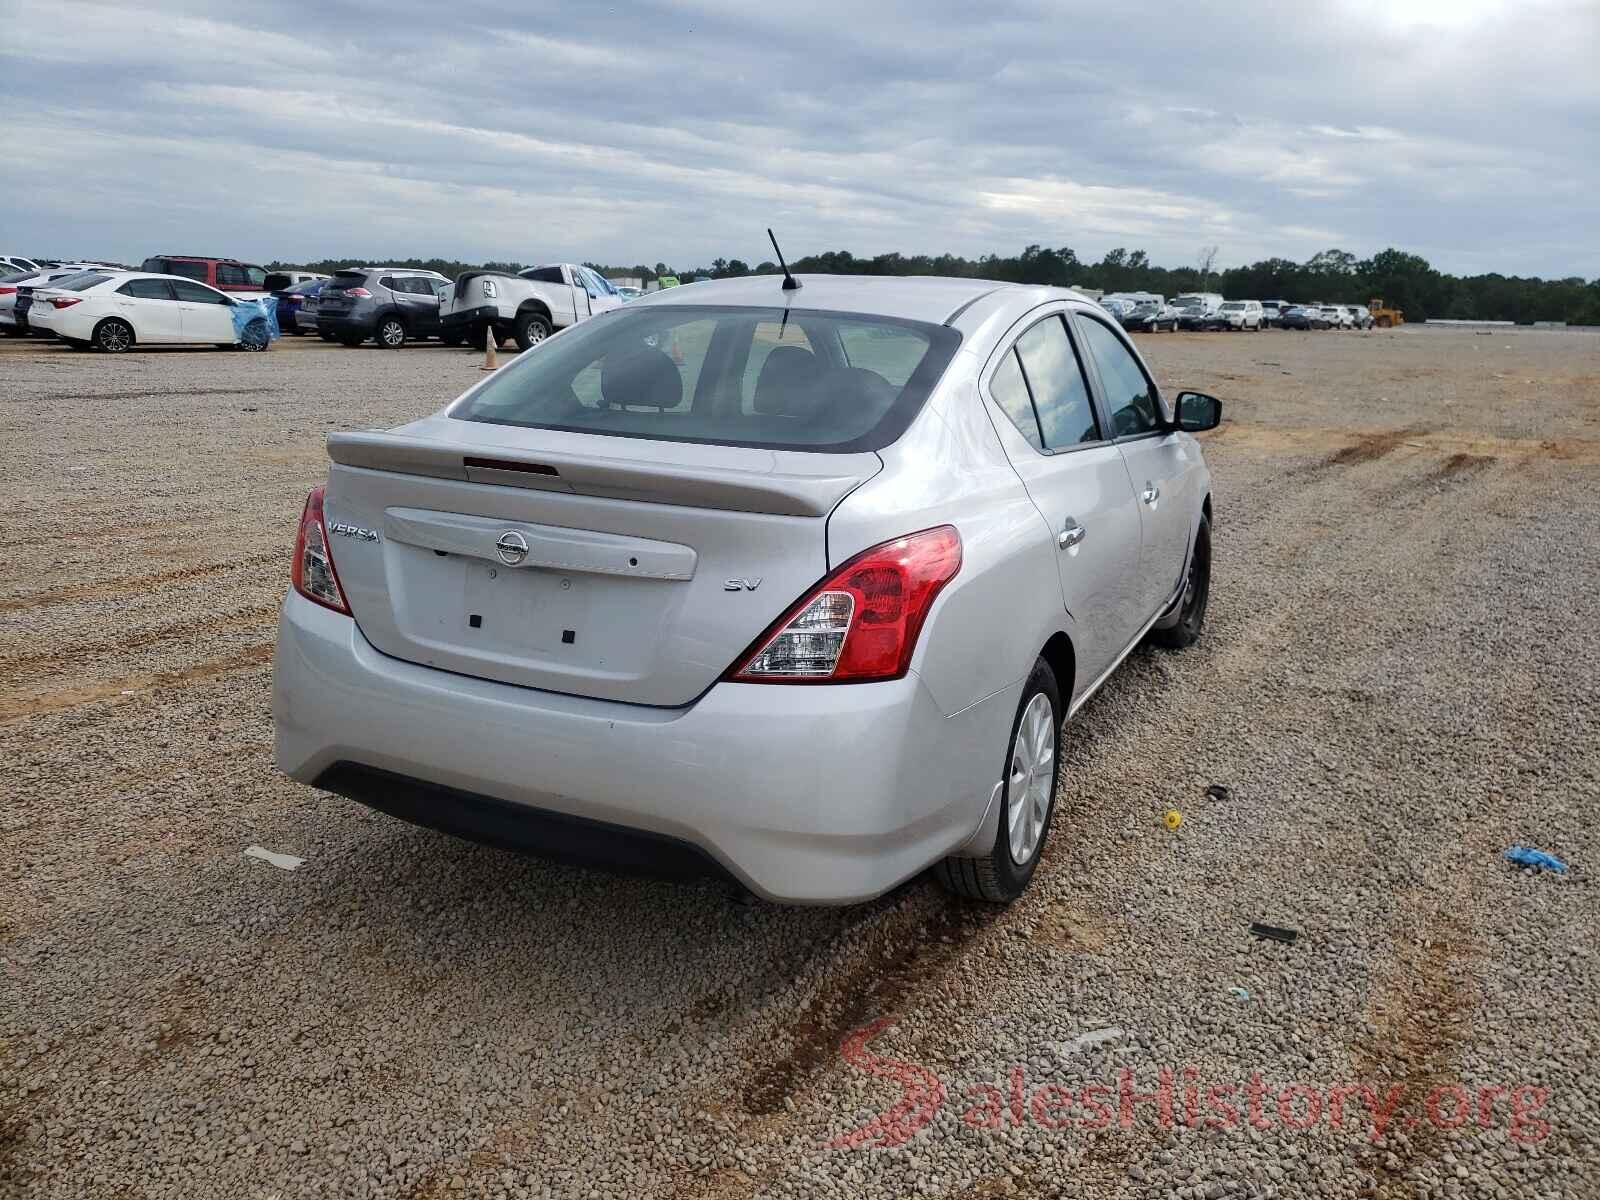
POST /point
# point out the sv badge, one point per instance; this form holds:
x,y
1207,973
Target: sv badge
x,y
742,585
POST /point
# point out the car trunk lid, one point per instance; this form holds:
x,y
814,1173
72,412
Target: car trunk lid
x,y
615,568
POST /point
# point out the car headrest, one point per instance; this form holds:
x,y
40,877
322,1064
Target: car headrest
x,y
787,383
642,378
856,397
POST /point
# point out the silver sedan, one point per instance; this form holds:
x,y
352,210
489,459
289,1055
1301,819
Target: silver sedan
x,y
798,584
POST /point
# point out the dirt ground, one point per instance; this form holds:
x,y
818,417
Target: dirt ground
x,y
1398,680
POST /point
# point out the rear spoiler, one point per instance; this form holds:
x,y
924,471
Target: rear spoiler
x,y
794,494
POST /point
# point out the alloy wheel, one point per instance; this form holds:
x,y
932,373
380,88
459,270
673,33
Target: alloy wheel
x,y
1031,778
114,337
393,333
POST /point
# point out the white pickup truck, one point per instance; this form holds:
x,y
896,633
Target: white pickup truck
x,y
528,306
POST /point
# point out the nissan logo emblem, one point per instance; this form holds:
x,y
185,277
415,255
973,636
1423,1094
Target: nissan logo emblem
x,y
512,547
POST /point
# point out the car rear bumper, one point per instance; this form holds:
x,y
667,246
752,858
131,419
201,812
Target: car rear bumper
x,y
470,318
345,325
803,794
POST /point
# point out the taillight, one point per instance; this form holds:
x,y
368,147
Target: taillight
x,y
314,575
7,291
358,291
860,623
64,301
489,288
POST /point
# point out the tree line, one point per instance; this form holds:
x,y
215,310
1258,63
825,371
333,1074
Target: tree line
x,y
1404,281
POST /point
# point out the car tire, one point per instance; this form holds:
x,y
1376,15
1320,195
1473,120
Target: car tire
x,y
390,333
1029,786
1191,606
531,329
112,336
255,337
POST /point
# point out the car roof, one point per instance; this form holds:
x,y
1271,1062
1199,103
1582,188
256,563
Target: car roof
x,y
931,298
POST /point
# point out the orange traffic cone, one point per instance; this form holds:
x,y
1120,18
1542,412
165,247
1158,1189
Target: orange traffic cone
x,y
490,342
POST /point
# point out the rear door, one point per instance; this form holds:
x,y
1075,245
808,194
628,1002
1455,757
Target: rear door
x,y
152,309
1162,464
1076,478
416,302
207,313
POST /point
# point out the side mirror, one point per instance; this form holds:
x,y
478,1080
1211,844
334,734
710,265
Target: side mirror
x,y
1198,412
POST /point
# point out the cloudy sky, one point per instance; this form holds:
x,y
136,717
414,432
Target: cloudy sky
x,y
1466,131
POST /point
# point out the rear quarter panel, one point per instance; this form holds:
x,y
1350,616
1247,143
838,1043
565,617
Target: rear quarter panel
x,y
990,622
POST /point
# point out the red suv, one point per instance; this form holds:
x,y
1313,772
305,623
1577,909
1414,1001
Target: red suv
x,y
224,274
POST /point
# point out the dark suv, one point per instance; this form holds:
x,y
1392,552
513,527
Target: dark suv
x,y
224,274
393,305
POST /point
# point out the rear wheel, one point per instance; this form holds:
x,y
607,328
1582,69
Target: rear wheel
x,y
113,336
1028,799
531,329
1196,595
391,333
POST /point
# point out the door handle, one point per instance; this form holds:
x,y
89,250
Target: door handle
x,y
1150,494
1071,534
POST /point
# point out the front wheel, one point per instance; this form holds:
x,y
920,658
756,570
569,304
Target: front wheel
x,y
255,336
391,333
1191,606
1028,799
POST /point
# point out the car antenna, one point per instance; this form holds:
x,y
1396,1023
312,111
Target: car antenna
x,y
790,283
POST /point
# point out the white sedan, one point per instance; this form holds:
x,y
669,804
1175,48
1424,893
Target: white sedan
x,y
115,311
12,285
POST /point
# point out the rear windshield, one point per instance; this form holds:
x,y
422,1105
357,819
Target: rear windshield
x,y
346,279
80,282
805,380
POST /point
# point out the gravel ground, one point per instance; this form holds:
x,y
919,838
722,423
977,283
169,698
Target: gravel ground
x,y
1398,681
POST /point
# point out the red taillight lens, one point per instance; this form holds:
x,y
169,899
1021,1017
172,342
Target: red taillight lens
x,y
314,575
64,301
860,623
358,291
7,291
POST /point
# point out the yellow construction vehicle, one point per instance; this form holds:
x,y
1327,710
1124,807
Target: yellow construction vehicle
x,y
1384,318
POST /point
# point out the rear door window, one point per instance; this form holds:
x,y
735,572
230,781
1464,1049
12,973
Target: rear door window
x,y
1056,381
231,275
1010,392
545,275
703,373
147,289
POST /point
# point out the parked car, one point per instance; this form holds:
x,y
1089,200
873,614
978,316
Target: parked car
x,y
528,306
391,305
1336,317
11,264
115,311
1236,315
1360,317
282,281
1303,316
291,300
1195,311
1271,311
570,611
18,287
224,274
627,292
305,313
1146,315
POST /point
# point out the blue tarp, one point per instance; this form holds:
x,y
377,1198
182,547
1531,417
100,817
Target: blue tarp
x,y
261,308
